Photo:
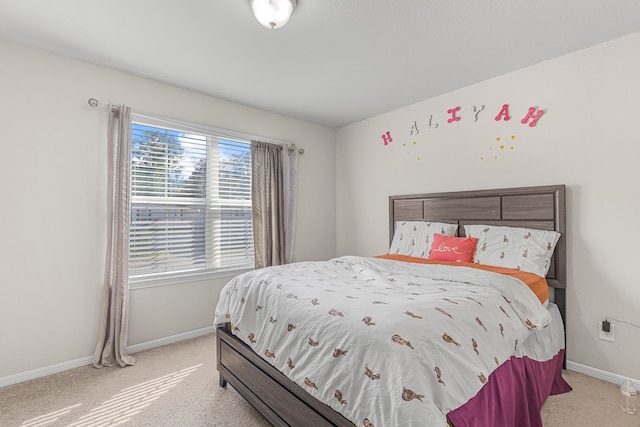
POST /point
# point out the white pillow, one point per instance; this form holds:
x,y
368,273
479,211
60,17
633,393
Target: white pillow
x,y
523,249
414,238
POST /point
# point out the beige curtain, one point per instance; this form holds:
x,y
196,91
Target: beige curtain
x,y
111,349
273,185
290,200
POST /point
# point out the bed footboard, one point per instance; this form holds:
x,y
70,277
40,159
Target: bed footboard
x,y
276,397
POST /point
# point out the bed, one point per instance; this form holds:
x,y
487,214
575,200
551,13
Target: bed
x,y
501,386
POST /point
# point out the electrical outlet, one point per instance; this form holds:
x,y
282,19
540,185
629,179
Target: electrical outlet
x,y
606,336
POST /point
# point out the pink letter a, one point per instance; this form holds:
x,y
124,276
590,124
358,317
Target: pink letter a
x,y
504,112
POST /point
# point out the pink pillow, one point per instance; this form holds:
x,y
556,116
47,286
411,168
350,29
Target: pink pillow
x,y
447,248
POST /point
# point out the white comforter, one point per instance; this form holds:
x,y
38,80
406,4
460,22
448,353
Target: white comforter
x,y
385,343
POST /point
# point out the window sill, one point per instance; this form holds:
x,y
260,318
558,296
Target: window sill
x,y
171,279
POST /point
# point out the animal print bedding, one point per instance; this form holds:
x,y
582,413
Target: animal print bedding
x,y
383,342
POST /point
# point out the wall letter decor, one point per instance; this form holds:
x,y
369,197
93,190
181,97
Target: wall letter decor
x,y
534,117
414,129
453,112
412,144
386,138
504,112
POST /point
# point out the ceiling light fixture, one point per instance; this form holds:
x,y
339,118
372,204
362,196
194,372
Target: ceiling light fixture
x,y
273,13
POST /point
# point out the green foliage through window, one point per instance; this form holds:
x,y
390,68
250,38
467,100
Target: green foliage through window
x,y
191,201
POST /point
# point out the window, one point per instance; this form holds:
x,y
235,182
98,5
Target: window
x,y
191,201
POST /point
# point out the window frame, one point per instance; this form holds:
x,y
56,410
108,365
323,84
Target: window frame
x,y
178,277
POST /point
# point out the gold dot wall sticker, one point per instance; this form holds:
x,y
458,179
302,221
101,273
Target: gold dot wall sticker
x,y
499,148
418,156
410,149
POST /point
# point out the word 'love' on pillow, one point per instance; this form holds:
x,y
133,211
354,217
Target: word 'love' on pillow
x,y
446,248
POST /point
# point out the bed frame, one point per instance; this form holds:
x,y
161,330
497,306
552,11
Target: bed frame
x,y
284,403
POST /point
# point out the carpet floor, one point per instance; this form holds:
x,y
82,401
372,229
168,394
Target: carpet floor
x,y
177,385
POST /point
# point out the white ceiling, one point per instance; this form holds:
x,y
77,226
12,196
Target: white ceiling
x,y
336,61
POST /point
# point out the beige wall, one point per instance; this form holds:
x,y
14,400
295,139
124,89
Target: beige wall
x,y
52,185
588,139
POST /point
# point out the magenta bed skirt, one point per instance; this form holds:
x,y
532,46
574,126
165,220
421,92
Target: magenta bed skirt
x,y
514,394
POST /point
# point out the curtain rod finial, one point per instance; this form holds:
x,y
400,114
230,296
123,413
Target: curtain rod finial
x,y
93,102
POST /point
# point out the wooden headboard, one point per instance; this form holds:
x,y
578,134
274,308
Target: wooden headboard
x,y
533,207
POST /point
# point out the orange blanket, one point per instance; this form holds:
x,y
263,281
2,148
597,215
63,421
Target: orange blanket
x,y
537,284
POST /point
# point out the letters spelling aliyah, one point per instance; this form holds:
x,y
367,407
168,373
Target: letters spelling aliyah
x,y
531,118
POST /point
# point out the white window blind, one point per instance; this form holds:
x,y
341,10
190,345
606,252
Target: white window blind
x,y
191,201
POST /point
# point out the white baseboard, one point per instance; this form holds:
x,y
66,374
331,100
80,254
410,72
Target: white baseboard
x,y
600,374
83,361
171,339
44,371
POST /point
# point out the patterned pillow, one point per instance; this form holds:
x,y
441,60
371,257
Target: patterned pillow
x,y
414,238
447,248
523,249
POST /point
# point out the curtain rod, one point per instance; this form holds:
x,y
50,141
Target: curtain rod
x,y
94,103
